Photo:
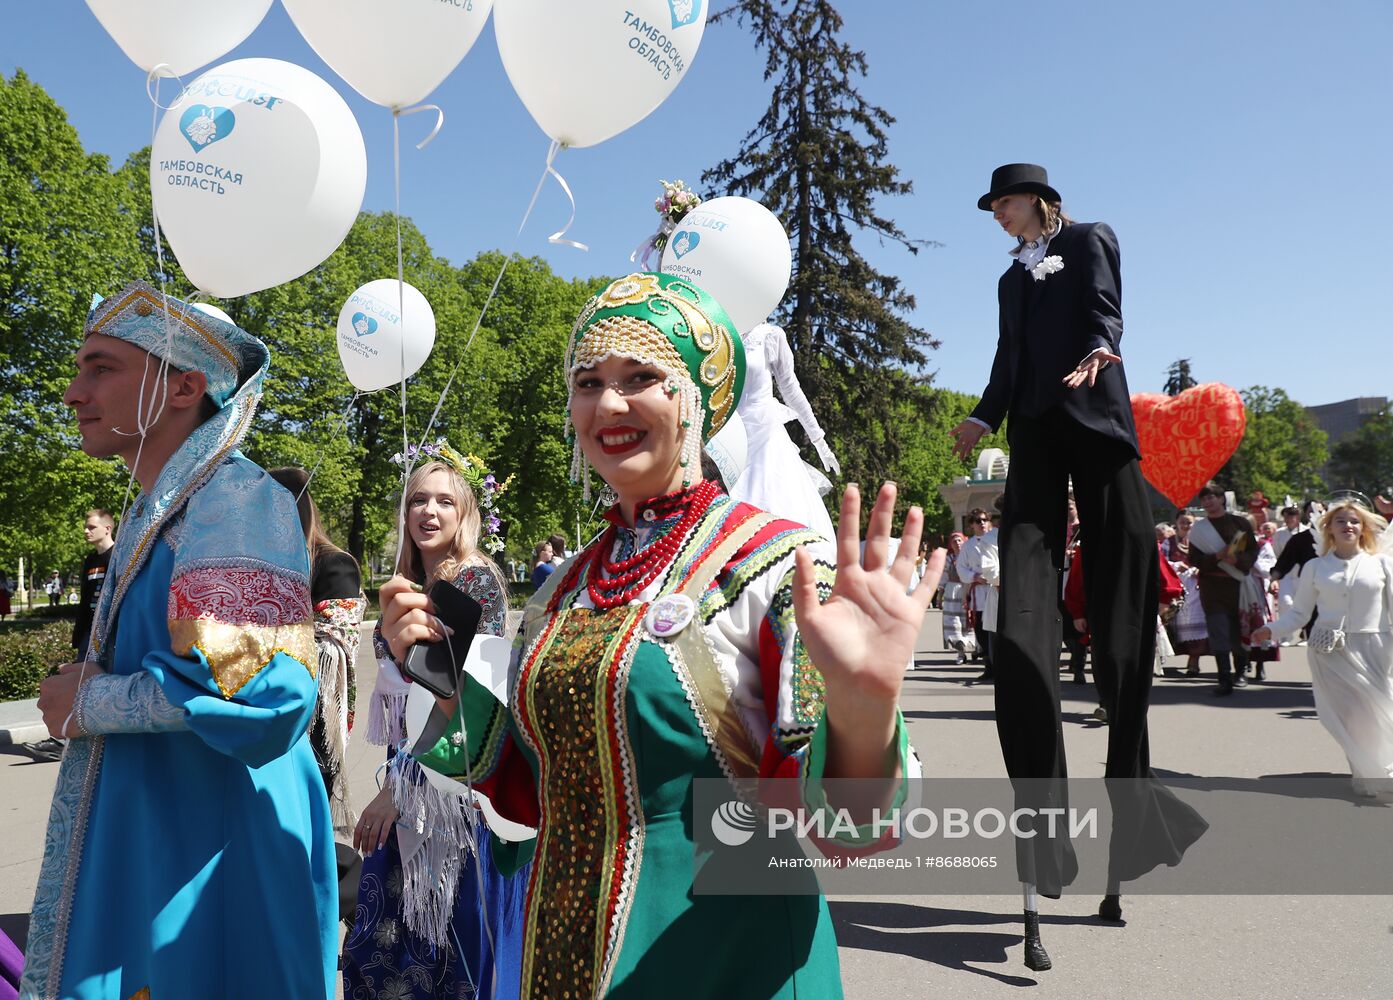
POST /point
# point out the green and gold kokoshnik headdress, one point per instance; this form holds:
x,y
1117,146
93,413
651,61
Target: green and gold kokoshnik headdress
x,y
675,326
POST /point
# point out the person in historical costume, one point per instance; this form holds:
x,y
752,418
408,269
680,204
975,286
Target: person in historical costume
x,y
956,635
1058,372
1223,548
979,522
1259,607
686,641
1350,588
776,479
336,593
426,925
1191,637
984,591
189,850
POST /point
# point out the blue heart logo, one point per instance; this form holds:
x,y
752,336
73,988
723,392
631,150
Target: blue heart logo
x,y
684,11
685,242
364,325
203,125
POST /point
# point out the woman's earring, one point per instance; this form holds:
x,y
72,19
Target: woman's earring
x,y
608,497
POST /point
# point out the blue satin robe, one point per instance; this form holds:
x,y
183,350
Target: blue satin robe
x,y
208,865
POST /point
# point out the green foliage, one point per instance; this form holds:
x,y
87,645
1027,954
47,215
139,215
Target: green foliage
x,y
71,226
926,458
62,238
1364,461
28,652
818,159
1282,451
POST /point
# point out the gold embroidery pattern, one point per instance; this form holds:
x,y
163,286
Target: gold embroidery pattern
x,y
237,653
717,370
573,700
146,304
627,337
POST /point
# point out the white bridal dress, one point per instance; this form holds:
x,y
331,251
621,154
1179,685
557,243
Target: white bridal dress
x,y
1352,685
776,479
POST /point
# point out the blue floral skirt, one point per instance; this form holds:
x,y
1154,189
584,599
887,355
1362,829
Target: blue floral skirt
x,y
382,960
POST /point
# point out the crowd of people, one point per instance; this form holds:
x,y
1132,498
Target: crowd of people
x,y
532,835
214,719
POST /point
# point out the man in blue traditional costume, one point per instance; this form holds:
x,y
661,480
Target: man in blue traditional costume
x,y
190,850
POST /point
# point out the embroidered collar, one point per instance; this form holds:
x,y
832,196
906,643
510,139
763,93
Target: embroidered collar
x,y
656,512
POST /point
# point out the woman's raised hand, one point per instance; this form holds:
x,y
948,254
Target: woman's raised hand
x,y
863,636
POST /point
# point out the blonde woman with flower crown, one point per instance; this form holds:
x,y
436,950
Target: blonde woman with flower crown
x,y
1350,586
695,638
426,926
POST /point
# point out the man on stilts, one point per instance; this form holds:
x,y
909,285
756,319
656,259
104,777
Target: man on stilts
x,y
1057,372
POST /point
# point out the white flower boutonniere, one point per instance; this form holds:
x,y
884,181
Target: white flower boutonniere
x,y
1048,266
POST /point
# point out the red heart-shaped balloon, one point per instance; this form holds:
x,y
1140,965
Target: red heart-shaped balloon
x,y
1185,439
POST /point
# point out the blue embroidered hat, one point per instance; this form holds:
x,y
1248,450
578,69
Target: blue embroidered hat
x,y
187,338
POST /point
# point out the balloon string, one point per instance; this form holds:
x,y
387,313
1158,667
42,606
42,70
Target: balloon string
x,y
407,460
152,89
341,422
439,120
556,237
548,170
148,413
144,420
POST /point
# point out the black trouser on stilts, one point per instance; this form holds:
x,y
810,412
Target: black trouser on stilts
x,y
1121,591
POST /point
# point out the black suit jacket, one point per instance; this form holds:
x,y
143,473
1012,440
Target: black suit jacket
x,y
1049,326
1300,549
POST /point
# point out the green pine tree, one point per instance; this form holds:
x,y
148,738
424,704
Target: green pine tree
x,y
819,159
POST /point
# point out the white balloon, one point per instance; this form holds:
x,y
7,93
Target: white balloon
x,y
729,448
377,331
737,250
589,69
258,173
184,34
393,52
217,313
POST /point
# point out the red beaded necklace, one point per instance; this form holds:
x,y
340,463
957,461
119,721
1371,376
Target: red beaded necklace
x,y
615,582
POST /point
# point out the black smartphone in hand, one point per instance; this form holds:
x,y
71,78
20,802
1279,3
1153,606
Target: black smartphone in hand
x,y
436,666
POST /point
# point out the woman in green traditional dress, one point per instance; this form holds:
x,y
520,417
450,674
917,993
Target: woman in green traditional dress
x,y
696,637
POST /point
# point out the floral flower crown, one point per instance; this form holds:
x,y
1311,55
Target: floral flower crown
x,y
675,202
487,489
673,205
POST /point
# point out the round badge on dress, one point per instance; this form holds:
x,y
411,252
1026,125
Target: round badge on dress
x,y
669,615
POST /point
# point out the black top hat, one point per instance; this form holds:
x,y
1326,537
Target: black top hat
x,y
1017,178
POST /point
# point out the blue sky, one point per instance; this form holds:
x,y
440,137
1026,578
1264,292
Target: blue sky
x,y
1240,149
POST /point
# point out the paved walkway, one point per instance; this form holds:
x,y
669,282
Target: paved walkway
x,y
963,947
19,722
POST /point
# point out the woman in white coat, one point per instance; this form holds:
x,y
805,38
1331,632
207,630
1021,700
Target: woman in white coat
x,y
1351,644
776,479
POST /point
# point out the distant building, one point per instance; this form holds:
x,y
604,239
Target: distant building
x,y
987,482
1340,420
